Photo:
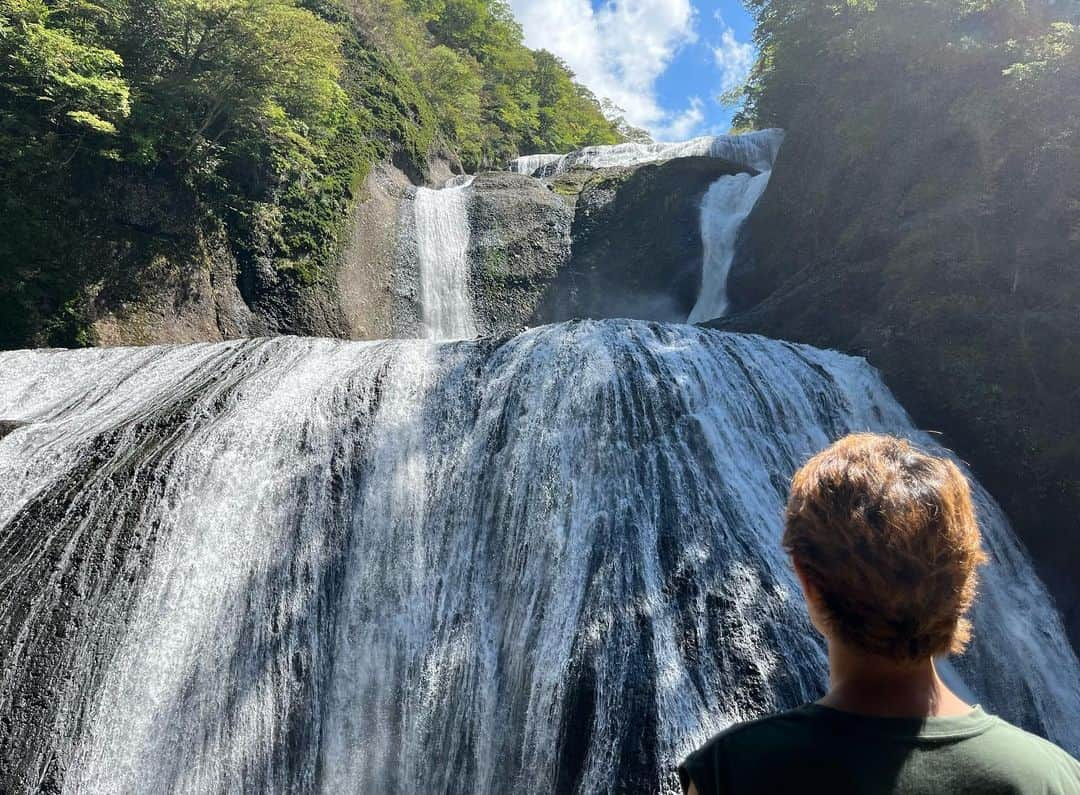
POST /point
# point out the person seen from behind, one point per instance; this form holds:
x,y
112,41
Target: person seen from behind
x,y
886,546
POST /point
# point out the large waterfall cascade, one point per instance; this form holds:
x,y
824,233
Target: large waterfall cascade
x,y
546,564
442,245
725,207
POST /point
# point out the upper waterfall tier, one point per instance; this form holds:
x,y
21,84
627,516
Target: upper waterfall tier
x,y
549,563
724,208
442,246
756,150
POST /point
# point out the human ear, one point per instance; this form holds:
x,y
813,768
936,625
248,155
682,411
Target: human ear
x,y
812,595
810,591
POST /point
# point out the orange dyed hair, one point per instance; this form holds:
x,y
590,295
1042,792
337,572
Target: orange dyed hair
x,y
888,535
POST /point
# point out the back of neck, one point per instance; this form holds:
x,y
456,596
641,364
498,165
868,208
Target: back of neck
x,y
868,684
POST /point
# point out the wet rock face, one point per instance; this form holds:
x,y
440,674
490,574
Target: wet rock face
x,y
9,426
405,309
520,241
614,242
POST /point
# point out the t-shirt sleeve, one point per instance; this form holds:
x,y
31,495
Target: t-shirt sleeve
x,y
700,767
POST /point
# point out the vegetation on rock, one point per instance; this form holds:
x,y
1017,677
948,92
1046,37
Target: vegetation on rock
x,y
495,99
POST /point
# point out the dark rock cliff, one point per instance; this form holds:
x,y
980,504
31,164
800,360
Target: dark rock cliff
x,y
958,280
182,282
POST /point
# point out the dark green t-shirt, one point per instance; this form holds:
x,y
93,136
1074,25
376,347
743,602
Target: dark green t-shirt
x,y
818,749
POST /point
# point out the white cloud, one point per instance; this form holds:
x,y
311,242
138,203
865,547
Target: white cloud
x,y
734,59
684,124
618,50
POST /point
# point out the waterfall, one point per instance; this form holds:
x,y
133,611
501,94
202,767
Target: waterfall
x,y
531,165
726,205
442,243
549,563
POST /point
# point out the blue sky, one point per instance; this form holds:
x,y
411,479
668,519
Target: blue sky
x,y
665,62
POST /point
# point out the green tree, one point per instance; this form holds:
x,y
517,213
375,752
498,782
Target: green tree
x,y
221,69
453,83
55,86
568,112
528,101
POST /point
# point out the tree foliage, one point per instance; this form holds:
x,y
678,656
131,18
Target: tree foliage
x,y
494,98
988,88
833,53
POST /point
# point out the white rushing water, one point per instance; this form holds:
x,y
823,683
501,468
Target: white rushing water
x,y
724,209
442,245
548,564
757,150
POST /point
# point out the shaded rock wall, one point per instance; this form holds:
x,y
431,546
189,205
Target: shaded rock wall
x,y
176,281
188,286
959,282
180,281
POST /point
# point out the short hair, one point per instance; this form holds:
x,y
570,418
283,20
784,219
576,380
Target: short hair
x,y
887,533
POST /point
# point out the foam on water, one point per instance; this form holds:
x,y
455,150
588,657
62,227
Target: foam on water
x,y
757,150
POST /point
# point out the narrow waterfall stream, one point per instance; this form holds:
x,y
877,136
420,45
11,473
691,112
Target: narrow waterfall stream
x,y
726,206
442,243
548,564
